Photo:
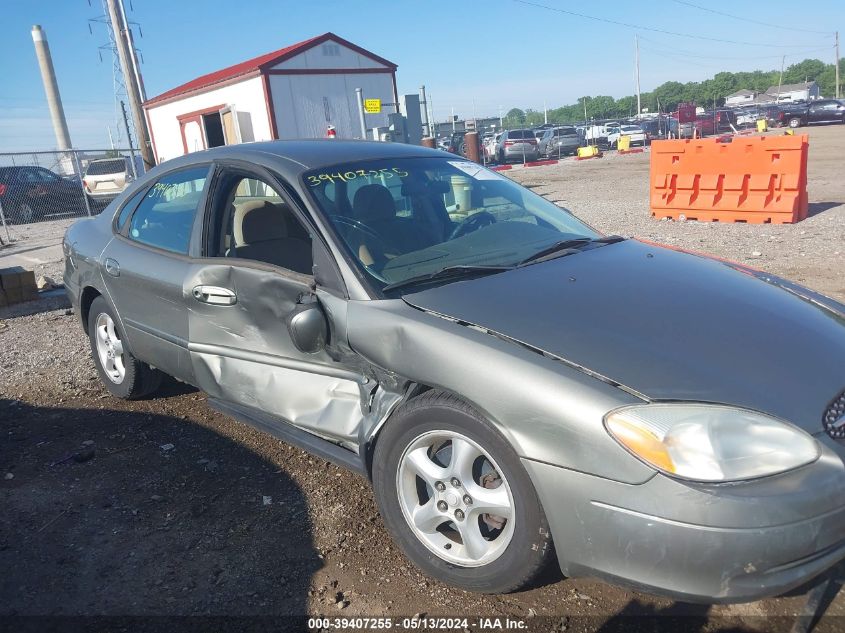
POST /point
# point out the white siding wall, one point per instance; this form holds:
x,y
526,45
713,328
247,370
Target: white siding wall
x,y
305,105
329,55
739,100
246,96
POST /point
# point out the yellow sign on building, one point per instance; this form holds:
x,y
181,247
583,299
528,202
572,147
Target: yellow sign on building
x,y
372,106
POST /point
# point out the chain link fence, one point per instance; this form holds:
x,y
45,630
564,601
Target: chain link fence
x,y
42,186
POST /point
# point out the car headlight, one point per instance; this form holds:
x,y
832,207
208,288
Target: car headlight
x,y
714,443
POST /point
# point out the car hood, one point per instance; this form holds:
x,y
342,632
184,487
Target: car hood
x,y
668,324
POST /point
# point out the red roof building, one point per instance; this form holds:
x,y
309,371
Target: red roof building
x,y
294,92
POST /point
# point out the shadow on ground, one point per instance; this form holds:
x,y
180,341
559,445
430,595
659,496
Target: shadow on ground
x,y
120,513
47,301
814,208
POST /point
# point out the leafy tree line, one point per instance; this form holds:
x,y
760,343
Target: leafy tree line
x,y
706,93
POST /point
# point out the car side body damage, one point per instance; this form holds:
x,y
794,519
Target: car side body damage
x,y
543,342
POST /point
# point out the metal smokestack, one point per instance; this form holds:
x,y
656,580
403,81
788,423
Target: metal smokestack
x,y
51,88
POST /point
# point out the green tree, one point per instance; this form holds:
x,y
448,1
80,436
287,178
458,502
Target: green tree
x,y
667,96
515,116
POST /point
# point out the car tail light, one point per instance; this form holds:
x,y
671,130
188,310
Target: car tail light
x,y
2,189
532,141
508,143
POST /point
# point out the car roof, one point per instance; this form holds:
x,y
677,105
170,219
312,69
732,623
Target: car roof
x,y
293,157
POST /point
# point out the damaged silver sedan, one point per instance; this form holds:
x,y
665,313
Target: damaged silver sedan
x,y
517,386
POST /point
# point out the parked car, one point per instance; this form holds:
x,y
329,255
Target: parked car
x,y
656,128
747,116
773,115
635,133
490,146
443,143
105,178
457,144
560,141
517,145
30,193
813,112
460,341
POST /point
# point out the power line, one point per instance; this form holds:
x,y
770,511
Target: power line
x,y
687,53
639,27
736,17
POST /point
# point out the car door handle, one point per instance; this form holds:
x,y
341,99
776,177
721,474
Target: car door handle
x,y
112,267
214,295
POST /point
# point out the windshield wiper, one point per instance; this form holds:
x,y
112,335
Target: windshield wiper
x,y
567,247
446,273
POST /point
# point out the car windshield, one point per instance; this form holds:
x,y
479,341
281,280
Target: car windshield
x,y
403,218
566,131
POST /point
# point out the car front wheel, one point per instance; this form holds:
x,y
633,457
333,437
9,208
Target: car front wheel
x,y
794,122
23,214
456,498
122,374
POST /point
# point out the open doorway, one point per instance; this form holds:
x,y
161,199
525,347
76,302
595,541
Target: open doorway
x,y
213,129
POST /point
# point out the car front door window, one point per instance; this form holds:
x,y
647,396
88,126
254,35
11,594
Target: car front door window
x,y
258,252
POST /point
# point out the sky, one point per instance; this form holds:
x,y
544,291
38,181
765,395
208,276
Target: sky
x,y
475,57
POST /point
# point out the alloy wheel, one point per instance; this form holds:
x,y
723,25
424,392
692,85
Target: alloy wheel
x,y
25,213
455,498
109,349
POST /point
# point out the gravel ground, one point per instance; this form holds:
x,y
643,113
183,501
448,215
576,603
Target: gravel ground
x,y
611,194
101,516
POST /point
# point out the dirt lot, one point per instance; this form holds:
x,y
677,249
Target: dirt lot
x,y
611,193
164,507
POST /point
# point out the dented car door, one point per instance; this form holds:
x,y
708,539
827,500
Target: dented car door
x,y
239,305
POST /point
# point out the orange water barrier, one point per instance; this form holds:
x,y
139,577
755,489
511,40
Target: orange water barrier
x,y
759,179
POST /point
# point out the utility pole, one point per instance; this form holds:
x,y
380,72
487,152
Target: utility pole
x,y
424,104
780,79
431,118
637,57
51,87
501,122
545,113
133,56
128,138
836,64
359,94
119,30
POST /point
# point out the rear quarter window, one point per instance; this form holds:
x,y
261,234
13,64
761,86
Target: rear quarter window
x,y
165,216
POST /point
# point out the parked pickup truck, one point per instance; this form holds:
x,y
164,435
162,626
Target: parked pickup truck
x,y
821,111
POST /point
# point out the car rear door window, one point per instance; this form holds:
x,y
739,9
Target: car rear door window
x,y
166,214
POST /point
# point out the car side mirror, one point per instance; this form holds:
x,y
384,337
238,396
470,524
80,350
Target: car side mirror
x,y
308,327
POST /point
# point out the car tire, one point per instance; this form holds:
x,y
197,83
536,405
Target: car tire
x,y
457,543
23,213
122,374
794,122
